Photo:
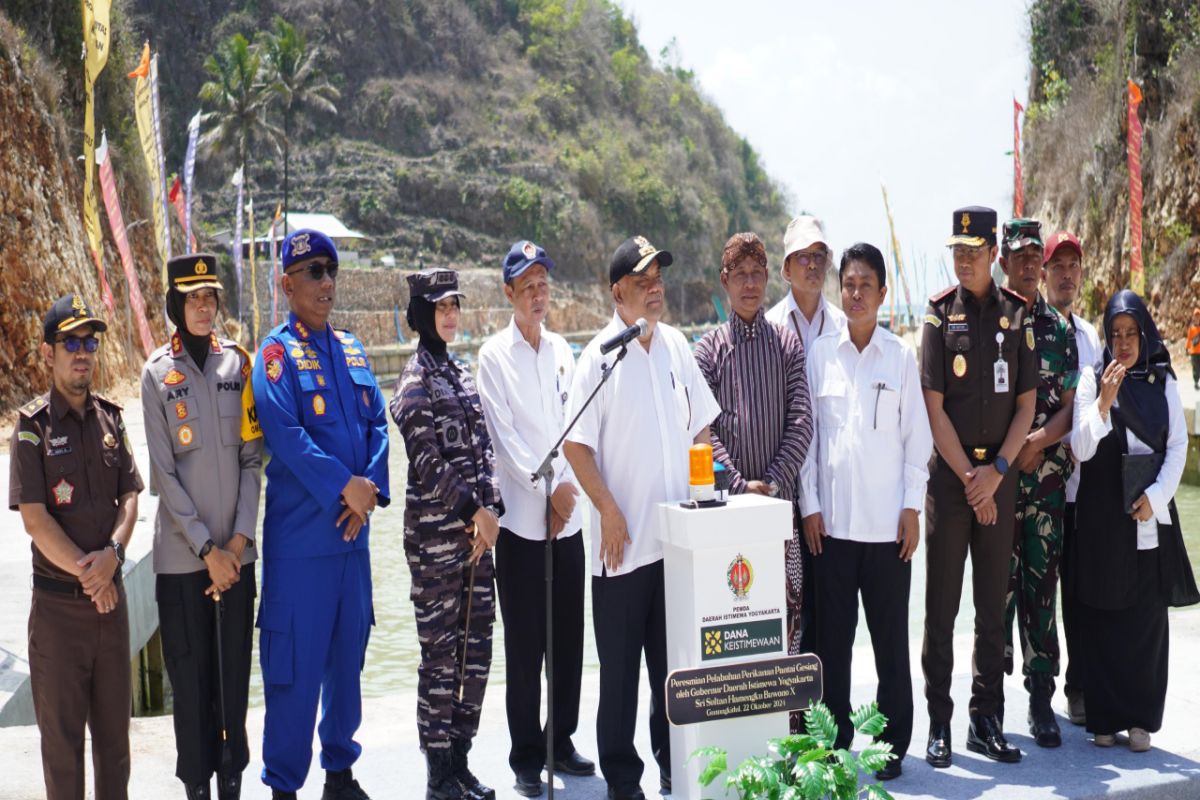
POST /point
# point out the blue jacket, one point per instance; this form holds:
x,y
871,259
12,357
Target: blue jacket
x,y
323,419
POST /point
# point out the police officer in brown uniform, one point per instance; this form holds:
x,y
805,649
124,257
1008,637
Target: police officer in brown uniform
x,y
979,372
74,481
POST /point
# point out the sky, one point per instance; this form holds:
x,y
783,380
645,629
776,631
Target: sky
x,y
839,96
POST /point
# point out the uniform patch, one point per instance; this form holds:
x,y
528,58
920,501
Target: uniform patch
x,y
366,398
319,405
956,317
110,441
29,436
356,361
301,329
273,354
297,352
1004,323
958,327
58,446
1029,338
320,379
307,364
34,406
181,410
960,365
934,320
174,377
63,492
185,435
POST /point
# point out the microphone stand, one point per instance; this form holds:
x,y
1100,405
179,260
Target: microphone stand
x,y
545,473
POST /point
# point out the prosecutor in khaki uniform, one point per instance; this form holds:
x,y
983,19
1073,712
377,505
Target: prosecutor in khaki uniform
x,y
74,481
205,465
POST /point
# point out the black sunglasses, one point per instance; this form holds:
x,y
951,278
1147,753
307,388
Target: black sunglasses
x,y
89,343
316,271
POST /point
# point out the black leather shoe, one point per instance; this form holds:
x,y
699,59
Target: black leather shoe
x,y
985,737
576,765
1043,727
890,772
529,784
632,793
342,786
937,752
197,791
229,787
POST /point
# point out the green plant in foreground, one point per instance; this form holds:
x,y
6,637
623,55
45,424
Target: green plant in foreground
x,y
807,766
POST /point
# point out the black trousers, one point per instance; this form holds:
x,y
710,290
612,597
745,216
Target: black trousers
x,y
1073,679
629,615
187,619
846,568
521,586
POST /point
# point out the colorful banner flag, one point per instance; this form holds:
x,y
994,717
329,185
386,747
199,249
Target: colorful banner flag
x,y
189,172
175,197
1018,182
144,113
275,266
95,55
1133,148
237,240
116,222
253,270
158,145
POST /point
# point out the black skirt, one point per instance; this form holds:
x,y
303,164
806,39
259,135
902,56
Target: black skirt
x,y
1124,656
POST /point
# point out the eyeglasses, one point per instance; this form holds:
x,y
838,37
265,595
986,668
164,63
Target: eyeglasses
x,y
318,270
89,343
817,260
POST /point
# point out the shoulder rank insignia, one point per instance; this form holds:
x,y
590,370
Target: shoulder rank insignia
x,y
34,406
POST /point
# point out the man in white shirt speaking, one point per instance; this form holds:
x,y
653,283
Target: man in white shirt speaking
x,y
864,484
630,453
525,374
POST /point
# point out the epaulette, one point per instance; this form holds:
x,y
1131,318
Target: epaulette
x,y
35,405
159,353
1014,295
108,402
942,295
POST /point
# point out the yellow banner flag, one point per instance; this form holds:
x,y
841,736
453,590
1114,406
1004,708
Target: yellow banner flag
x,y
95,46
144,113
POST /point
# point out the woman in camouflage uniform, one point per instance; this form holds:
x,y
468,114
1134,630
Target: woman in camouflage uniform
x,y
450,525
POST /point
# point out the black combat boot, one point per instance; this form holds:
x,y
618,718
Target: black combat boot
x,y
197,791
1043,727
229,787
442,783
472,788
342,786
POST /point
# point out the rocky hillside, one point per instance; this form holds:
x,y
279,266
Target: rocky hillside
x,y
1075,132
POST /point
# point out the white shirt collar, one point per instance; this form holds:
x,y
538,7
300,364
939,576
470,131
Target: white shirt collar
x,y
794,308
876,340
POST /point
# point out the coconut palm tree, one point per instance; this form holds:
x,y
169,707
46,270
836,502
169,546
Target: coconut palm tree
x,y
238,99
294,81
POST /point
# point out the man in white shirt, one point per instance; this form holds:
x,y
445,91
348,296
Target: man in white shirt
x,y
864,484
1063,263
629,452
804,311
525,374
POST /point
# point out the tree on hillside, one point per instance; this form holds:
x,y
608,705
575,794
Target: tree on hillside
x,y
238,99
293,80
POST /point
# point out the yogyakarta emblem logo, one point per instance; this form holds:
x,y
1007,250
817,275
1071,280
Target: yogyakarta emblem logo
x,y
740,576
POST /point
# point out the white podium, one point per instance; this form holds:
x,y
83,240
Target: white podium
x,y
726,604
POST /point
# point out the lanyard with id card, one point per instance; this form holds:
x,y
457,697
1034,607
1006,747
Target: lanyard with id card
x,y
1000,378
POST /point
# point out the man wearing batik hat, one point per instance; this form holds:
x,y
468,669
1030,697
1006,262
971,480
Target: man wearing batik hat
x,y
1044,464
73,478
979,373
325,424
629,452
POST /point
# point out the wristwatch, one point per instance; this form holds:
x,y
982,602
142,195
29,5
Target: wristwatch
x,y
119,550
772,489
1001,465
206,549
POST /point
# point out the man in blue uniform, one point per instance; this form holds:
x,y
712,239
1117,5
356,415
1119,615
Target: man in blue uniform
x,y
324,422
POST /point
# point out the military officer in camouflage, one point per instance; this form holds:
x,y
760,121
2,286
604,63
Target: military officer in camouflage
x,y
979,372
1045,465
451,522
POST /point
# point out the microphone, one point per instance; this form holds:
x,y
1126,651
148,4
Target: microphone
x,y
635,331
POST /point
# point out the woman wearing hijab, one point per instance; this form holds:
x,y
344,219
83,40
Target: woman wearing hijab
x,y
1130,563
451,522
205,460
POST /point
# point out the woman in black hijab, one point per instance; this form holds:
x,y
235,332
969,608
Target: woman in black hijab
x,y
1130,563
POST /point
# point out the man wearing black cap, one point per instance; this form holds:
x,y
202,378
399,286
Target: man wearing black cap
x,y
979,374
324,422
73,478
205,465
525,374
629,452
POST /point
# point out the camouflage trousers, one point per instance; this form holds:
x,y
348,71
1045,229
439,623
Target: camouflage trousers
x,y
448,702
1033,570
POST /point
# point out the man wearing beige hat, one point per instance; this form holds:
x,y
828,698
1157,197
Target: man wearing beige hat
x,y
805,261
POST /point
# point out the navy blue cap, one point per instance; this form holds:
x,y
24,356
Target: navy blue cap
x,y
307,243
521,256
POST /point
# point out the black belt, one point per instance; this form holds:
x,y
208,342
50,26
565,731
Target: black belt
x,y
73,588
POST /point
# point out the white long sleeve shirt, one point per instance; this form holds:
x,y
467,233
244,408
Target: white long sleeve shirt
x,y
525,394
826,320
1089,428
870,453
1091,353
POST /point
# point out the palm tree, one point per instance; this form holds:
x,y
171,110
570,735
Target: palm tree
x,y
239,100
294,81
